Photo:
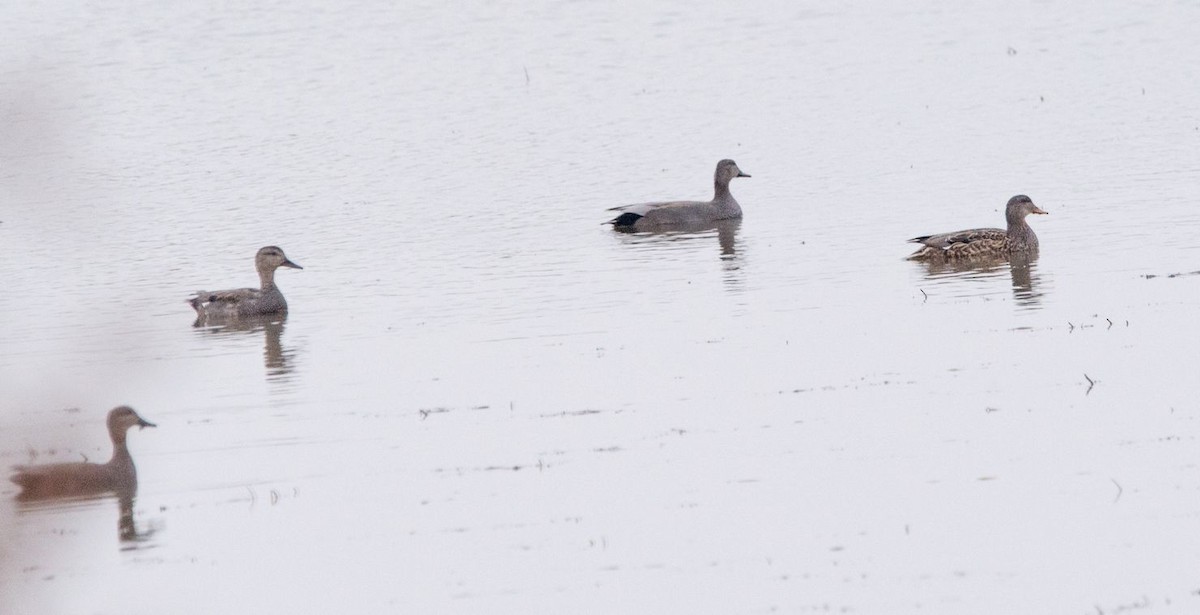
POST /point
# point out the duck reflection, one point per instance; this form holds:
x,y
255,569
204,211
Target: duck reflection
x,y
725,230
127,530
276,359
1022,269
732,262
48,484
731,254
1025,279
127,527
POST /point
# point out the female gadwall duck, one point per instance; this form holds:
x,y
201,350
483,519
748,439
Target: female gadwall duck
x,y
983,242
248,301
654,216
82,478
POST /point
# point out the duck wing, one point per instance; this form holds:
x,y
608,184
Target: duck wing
x,y
945,241
664,212
962,244
226,298
61,479
642,209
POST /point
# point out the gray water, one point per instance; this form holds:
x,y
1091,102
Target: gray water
x,y
484,400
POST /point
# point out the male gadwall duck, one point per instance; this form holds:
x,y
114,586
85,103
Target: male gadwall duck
x,y
984,242
248,301
82,478
655,216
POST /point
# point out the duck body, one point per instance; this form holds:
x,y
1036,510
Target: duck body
x,y
79,478
984,242
675,214
118,474
239,302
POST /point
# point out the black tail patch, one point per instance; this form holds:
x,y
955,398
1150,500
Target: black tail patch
x,y
626,219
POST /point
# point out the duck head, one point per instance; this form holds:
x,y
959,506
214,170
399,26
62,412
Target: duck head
x,y
270,258
726,171
1020,206
122,418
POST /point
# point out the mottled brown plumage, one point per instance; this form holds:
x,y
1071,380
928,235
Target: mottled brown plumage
x,y
80,478
984,242
267,299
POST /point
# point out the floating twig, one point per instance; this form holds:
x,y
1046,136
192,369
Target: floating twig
x,y
1091,383
1119,490
425,412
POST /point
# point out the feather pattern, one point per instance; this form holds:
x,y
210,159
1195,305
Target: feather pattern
x,y
238,302
665,215
982,242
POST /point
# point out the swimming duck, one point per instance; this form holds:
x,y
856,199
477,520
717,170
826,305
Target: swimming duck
x,y
248,301
665,215
82,478
980,242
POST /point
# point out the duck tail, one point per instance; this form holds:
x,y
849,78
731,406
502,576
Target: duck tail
x,y
22,477
197,301
920,239
625,220
925,253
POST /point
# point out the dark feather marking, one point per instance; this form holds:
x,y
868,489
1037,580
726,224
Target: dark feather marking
x,y
626,219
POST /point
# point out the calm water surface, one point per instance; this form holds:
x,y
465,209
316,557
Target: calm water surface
x,y
484,400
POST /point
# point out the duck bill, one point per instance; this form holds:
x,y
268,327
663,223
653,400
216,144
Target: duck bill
x,y
1038,210
288,263
143,423
741,174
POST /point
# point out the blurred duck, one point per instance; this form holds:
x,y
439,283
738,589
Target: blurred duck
x,y
248,301
984,242
673,214
82,478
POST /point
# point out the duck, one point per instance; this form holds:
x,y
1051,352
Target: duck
x,y
267,299
985,242
118,474
672,214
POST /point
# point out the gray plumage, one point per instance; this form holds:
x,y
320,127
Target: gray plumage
x,y
981,242
267,299
118,474
674,214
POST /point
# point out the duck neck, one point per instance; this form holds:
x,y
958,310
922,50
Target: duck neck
x,y
120,450
266,278
1019,232
721,191
1015,217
